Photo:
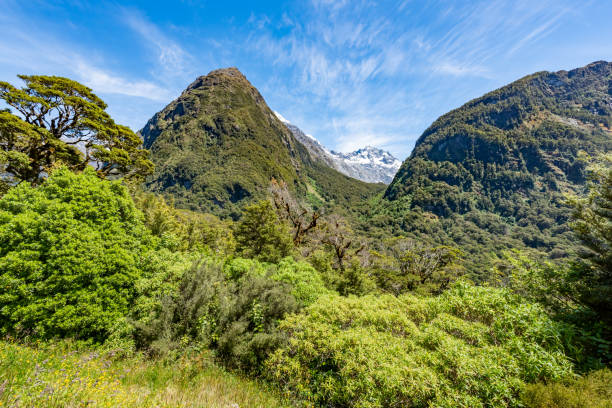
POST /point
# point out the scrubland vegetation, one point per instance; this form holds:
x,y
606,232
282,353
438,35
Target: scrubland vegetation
x,y
112,296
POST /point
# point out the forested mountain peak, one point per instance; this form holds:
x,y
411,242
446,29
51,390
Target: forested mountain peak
x,y
218,145
503,162
536,124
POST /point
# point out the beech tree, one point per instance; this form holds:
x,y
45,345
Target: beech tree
x,y
54,119
261,235
404,265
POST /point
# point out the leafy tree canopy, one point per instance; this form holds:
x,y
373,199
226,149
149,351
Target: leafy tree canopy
x,y
70,252
60,120
261,235
593,225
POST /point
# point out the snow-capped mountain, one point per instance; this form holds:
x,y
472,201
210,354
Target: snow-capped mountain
x,y
369,164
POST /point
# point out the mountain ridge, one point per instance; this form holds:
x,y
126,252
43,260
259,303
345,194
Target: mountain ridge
x,y
218,146
369,164
495,171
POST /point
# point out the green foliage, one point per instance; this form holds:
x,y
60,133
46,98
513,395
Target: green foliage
x,y
556,288
17,136
469,347
236,268
81,258
404,265
543,282
340,193
60,120
593,225
491,175
70,252
591,391
306,282
261,235
233,308
218,145
183,229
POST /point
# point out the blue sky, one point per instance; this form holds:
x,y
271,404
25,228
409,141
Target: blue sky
x,y
351,73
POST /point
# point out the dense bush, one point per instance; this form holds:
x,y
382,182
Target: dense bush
x,y
556,288
307,284
70,252
470,347
232,307
181,229
591,391
260,234
593,225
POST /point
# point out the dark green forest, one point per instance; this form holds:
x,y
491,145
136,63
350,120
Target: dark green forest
x,y
211,248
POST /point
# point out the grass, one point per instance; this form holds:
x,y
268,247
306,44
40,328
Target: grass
x,y
64,375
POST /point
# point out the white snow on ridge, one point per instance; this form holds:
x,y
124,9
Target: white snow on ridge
x,y
369,164
281,117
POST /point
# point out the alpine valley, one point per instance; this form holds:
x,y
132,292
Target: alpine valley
x,y
218,145
491,174
223,258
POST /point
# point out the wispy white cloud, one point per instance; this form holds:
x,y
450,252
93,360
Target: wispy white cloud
x,y
261,21
351,72
108,82
541,30
484,31
459,69
29,50
53,57
350,57
171,57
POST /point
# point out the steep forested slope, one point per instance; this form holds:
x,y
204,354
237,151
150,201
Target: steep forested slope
x,y
218,145
495,170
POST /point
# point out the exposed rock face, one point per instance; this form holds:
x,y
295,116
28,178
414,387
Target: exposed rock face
x,y
368,164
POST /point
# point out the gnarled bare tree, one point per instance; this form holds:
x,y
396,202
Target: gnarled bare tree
x,y
302,220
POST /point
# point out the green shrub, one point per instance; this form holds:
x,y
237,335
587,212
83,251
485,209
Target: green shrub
x,y
70,252
246,330
591,391
470,347
233,308
236,268
261,235
555,287
306,282
181,229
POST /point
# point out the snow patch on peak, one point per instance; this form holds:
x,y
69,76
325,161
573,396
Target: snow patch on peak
x,y
369,164
281,118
